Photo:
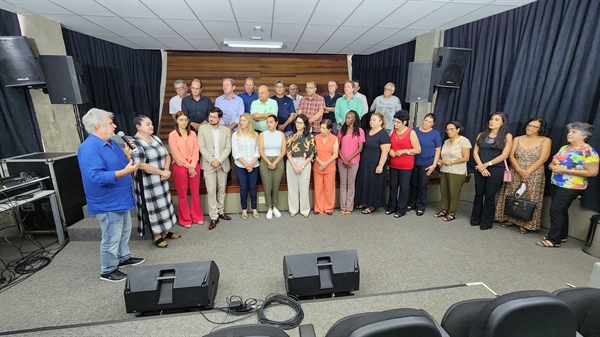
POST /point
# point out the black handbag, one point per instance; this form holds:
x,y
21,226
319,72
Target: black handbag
x,y
519,208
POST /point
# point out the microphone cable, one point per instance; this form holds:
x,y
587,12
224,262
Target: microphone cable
x,y
288,300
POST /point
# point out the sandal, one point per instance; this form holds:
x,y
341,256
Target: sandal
x,y
244,216
440,214
408,208
256,215
449,217
388,212
396,215
546,238
187,226
419,212
348,212
522,230
368,210
173,236
361,206
547,244
161,243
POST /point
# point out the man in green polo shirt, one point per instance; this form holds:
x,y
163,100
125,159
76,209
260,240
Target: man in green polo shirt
x,y
262,108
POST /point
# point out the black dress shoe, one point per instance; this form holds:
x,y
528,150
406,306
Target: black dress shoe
x,y
224,216
213,224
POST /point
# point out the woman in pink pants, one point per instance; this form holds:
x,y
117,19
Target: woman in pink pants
x,y
186,170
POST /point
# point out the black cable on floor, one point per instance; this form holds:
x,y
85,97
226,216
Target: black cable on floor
x,y
288,300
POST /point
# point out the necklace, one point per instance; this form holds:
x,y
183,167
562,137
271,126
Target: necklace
x,y
400,136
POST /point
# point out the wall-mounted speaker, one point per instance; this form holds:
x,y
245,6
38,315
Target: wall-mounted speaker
x,y
18,66
321,273
449,66
419,88
64,79
150,289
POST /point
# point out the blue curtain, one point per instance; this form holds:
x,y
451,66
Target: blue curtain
x,y
377,69
19,130
119,79
542,59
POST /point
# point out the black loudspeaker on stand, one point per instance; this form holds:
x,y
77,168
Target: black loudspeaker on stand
x,y
320,274
449,66
64,82
18,66
151,289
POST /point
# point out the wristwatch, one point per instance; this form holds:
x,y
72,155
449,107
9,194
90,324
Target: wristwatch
x,y
490,163
572,172
407,151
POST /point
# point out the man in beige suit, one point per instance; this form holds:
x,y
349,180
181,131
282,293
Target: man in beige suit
x,y
214,140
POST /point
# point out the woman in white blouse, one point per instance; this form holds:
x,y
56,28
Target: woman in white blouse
x,y
244,147
454,157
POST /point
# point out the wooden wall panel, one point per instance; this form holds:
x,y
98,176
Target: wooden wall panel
x,y
211,68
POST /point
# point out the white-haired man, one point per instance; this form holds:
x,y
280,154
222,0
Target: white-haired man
x,y
106,174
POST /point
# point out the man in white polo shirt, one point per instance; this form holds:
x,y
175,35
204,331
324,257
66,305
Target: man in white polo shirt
x,y
181,89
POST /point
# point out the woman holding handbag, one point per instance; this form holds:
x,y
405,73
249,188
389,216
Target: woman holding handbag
x,y
492,147
527,157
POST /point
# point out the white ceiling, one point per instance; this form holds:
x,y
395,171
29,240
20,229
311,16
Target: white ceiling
x,y
304,26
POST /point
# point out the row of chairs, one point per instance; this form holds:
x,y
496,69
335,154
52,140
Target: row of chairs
x,y
564,313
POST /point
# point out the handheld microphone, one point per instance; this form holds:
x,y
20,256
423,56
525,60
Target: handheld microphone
x,y
126,141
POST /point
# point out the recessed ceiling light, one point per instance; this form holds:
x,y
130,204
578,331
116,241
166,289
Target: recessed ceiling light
x,y
258,29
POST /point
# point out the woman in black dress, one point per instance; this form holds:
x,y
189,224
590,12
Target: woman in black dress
x,y
492,147
372,172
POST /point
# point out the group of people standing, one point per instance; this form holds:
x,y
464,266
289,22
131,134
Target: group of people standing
x,y
525,176
361,156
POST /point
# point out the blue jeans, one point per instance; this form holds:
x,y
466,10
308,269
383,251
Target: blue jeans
x,y
247,182
116,229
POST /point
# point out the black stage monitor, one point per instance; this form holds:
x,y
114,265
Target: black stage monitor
x,y
150,289
321,273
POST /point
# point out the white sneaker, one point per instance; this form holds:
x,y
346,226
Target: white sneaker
x,y
276,212
270,214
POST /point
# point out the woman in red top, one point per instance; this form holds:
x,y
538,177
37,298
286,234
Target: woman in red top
x,y
404,146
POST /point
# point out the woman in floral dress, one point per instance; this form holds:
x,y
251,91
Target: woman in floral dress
x,y
527,157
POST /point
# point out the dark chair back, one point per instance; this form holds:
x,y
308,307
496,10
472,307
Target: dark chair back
x,y
525,314
249,330
585,303
390,323
459,318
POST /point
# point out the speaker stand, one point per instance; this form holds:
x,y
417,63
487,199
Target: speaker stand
x,y
78,123
415,115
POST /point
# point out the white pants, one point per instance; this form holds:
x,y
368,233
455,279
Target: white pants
x,y
298,184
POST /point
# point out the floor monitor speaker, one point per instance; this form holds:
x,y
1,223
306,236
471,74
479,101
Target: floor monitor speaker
x,y
64,79
150,289
449,66
18,66
321,273
419,88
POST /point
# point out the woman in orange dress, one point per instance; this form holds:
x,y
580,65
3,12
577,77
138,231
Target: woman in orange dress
x,y
324,169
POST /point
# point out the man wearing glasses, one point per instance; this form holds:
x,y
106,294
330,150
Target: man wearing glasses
x,y
175,102
387,105
196,105
312,106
